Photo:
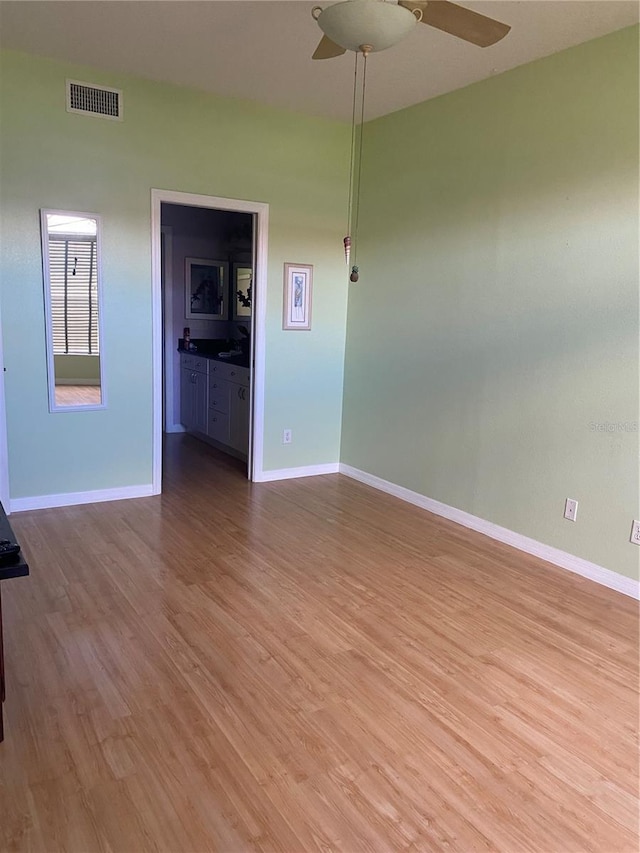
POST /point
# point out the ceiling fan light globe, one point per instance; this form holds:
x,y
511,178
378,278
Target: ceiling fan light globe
x,y
377,23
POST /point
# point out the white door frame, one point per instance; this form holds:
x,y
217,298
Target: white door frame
x,y
167,331
258,320
4,450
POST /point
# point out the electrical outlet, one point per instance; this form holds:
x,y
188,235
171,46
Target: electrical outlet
x,y
287,436
635,533
570,509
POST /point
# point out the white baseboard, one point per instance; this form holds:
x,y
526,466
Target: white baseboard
x,y
605,577
293,473
74,498
175,428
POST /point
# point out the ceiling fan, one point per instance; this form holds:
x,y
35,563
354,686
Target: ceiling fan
x,y
370,25
366,26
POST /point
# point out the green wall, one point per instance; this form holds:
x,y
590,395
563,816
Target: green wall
x,y
492,341
178,139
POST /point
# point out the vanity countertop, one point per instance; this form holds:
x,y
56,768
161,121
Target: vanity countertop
x,y
240,360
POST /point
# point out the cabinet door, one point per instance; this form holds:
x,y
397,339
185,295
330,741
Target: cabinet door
x,y
199,402
239,419
186,397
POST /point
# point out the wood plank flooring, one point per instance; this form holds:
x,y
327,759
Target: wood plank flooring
x,y
307,665
78,395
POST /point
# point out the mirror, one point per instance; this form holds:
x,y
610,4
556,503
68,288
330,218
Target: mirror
x,y
71,267
242,291
205,288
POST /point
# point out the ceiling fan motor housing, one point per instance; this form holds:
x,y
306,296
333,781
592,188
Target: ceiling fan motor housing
x,y
377,23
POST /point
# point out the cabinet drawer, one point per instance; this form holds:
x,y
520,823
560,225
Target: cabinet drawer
x,y
218,426
219,394
194,362
230,372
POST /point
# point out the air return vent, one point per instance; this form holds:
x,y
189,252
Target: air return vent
x,y
94,100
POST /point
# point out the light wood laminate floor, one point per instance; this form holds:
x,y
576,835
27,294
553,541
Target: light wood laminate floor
x,y
307,665
78,395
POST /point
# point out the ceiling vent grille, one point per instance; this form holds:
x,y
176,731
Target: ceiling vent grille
x,y
94,100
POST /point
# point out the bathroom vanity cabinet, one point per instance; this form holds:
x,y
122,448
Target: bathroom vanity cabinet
x,y
214,401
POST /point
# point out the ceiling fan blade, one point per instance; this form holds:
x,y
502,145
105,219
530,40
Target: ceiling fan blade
x,y
327,49
458,21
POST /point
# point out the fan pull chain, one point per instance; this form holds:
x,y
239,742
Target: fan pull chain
x,y
347,239
354,269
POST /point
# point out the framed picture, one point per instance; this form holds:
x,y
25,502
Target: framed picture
x,y
242,291
298,281
206,289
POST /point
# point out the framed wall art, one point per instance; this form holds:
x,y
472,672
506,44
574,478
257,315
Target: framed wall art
x,y
298,283
206,289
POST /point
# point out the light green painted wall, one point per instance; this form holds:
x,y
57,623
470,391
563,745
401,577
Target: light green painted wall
x,y
496,317
178,139
77,367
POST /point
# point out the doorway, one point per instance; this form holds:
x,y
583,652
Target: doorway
x,y
230,237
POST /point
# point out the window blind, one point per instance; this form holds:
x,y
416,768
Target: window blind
x,y
74,295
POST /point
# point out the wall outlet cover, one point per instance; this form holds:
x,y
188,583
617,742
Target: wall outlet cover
x,y
287,436
571,509
635,533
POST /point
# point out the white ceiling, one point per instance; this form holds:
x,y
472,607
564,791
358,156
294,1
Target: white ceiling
x,y
261,49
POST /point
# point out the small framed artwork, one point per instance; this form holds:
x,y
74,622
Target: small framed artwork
x,y
206,289
298,281
242,290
